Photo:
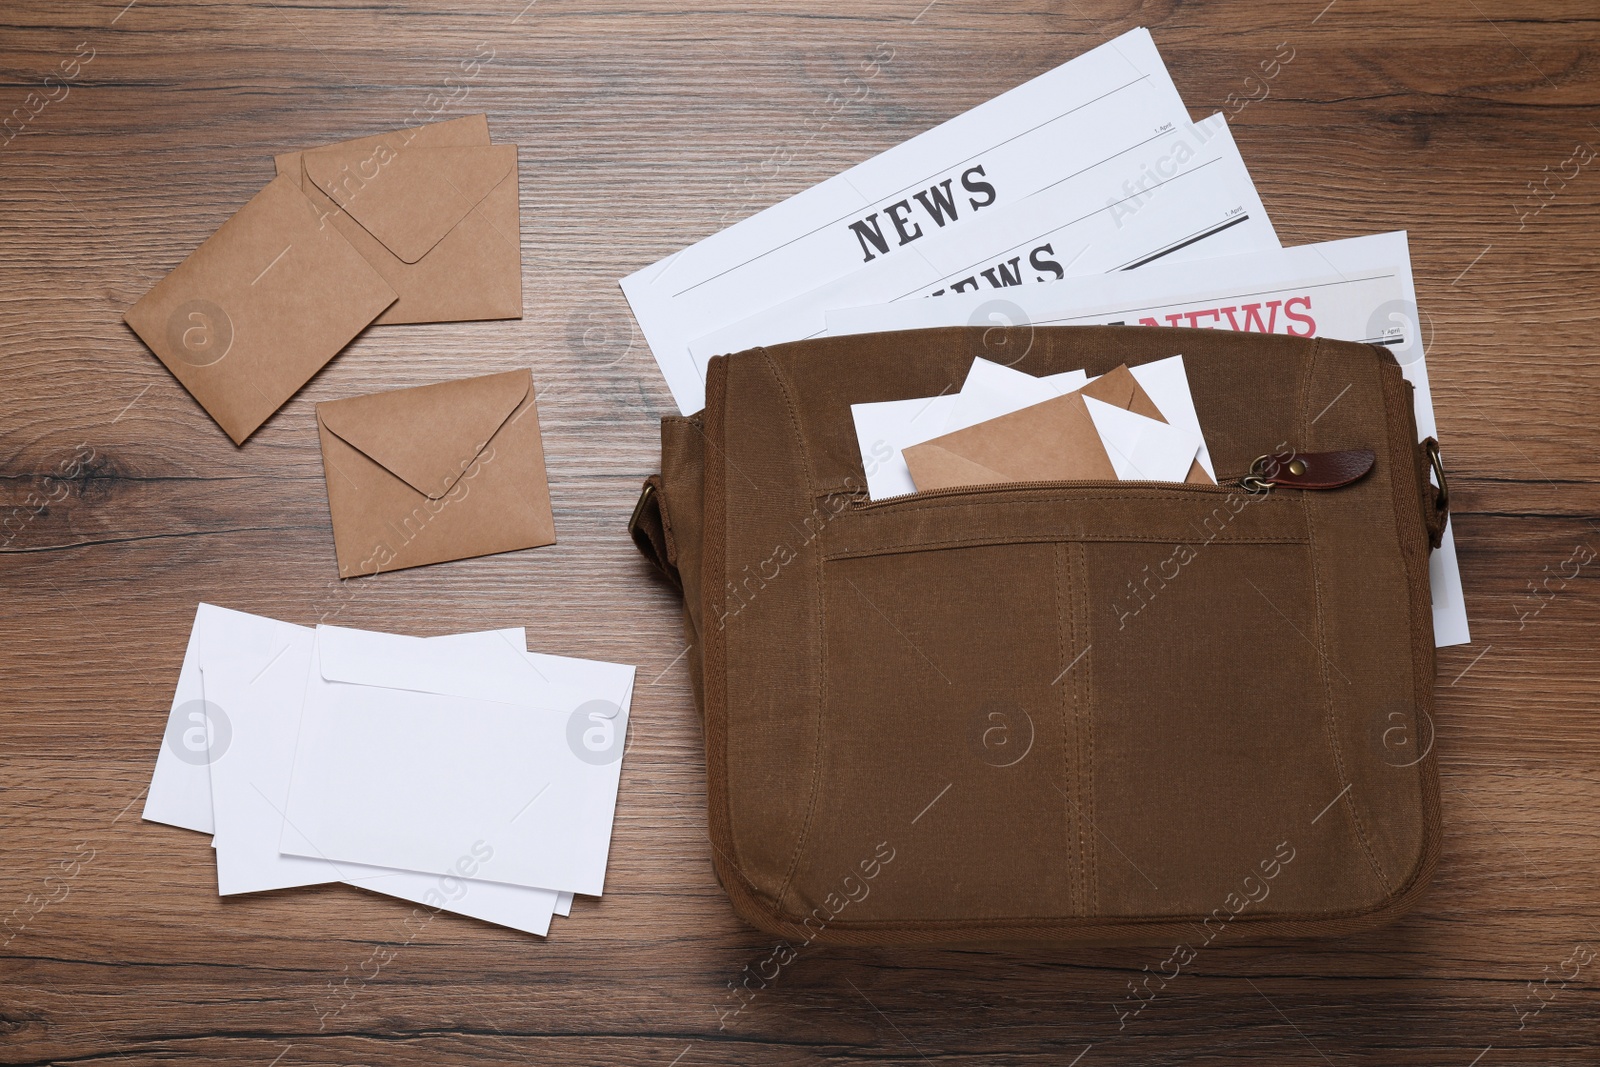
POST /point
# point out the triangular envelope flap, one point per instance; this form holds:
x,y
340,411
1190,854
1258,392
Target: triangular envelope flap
x,y
1119,388
933,466
411,198
429,435
1142,448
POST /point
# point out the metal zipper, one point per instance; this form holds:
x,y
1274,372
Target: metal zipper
x,y
1287,470
860,503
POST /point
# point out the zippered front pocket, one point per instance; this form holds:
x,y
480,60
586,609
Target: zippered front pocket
x,y
1073,674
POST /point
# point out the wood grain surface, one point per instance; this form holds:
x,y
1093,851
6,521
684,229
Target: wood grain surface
x,y
645,125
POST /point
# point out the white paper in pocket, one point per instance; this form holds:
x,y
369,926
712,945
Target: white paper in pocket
x,y
1140,448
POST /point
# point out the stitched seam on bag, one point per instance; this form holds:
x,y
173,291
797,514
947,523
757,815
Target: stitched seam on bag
x,y
1064,553
1310,922
1119,496
714,662
822,637
1068,736
1085,682
670,542
1330,718
1400,405
1051,538
1350,797
1085,845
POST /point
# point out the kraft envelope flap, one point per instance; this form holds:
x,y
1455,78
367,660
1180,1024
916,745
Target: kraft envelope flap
x,y
937,467
1119,388
410,199
467,130
428,436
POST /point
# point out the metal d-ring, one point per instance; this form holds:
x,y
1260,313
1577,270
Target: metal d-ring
x,y
1255,483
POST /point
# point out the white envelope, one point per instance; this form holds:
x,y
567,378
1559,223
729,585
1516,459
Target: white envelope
x,y
994,389
1199,202
1166,383
256,670
238,740
180,788
886,428
1140,448
416,778
502,671
1086,113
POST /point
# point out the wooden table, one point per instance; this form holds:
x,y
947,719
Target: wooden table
x,y
645,126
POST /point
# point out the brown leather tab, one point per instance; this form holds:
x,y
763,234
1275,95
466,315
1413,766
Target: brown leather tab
x,y
1319,470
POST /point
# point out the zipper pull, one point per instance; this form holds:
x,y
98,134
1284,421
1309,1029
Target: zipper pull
x,y
1308,470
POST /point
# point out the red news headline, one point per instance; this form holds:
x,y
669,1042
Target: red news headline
x,y
1247,318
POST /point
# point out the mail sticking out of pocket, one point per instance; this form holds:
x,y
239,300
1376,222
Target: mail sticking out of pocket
x,y
433,208
1109,429
435,473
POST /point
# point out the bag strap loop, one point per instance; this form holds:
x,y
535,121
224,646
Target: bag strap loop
x,y
648,528
1436,511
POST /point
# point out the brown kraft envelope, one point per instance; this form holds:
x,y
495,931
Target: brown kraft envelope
x,y
433,208
435,473
259,308
1051,441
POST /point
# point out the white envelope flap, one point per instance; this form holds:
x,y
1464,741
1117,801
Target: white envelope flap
x,y
1140,448
503,672
1166,383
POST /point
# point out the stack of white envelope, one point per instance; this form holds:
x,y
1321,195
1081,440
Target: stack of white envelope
x,y
461,772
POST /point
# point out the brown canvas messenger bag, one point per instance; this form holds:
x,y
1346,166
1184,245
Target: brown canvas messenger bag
x,y
1076,711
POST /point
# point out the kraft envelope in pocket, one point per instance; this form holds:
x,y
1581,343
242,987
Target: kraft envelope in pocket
x,y
435,473
434,209
414,778
886,428
1060,440
258,308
